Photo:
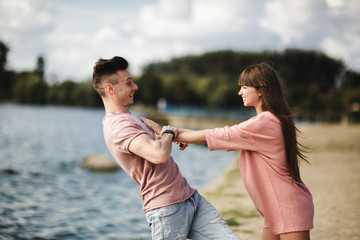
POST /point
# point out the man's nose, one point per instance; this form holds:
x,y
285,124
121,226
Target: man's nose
x,y
135,87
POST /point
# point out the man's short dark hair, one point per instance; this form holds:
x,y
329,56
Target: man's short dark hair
x,y
104,68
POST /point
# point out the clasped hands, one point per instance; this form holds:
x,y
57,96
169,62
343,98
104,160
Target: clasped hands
x,y
159,130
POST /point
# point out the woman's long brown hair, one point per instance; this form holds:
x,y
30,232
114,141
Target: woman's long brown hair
x,y
263,77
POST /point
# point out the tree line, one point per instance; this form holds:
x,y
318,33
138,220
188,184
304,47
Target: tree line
x,y
31,87
319,88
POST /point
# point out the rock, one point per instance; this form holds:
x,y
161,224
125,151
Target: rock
x,y
8,171
99,162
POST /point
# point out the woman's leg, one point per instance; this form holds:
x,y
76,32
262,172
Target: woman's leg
x,y
269,235
303,235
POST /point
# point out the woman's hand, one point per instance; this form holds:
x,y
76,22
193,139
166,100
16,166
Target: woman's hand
x,y
182,146
158,130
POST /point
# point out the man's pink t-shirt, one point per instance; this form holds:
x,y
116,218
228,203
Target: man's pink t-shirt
x,y
285,205
160,184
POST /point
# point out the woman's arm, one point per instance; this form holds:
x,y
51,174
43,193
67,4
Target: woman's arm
x,y
184,135
189,136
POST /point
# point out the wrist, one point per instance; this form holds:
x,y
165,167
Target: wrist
x,y
169,131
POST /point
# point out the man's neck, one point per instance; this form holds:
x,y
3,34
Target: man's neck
x,y
115,109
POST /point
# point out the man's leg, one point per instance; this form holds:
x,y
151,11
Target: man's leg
x,y
207,222
171,222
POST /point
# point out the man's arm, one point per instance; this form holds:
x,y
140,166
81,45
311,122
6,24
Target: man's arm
x,y
157,129
156,151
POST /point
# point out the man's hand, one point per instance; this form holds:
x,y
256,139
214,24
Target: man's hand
x,y
157,129
153,125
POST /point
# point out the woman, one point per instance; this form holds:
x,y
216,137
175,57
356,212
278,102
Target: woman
x,y
269,155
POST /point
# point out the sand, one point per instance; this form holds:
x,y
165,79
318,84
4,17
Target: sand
x,y
333,178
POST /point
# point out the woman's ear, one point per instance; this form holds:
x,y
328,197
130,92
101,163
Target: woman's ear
x,y
259,92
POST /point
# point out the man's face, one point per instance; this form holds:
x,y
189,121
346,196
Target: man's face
x,y
125,88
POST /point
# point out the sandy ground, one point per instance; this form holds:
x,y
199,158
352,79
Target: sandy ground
x,y
333,178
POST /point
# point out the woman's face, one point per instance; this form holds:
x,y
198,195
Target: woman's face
x,y
251,97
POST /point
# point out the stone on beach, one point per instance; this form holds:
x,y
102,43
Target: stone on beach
x,y
100,162
8,171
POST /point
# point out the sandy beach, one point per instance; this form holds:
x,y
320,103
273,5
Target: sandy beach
x,y
333,178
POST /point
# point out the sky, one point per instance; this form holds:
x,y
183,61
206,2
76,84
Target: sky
x,y
72,35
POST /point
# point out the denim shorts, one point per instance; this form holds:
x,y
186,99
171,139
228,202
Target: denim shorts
x,y
194,218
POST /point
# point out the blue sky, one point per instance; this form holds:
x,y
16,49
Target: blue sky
x,y
73,34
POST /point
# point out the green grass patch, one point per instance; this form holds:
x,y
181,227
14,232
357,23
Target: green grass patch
x,y
235,213
232,222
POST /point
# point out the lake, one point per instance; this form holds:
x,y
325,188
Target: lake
x,y
47,194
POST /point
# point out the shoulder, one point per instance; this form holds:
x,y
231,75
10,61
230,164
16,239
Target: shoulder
x,y
121,119
122,125
268,116
261,121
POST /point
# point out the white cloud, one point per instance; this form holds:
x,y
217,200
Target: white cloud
x,y
335,3
72,35
176,9
190,19
292,20
106,34
335,49
22,24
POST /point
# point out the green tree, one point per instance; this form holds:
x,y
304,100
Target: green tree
x,y
350,91
311,78
5,75
150,88
65,92
29,88
40,67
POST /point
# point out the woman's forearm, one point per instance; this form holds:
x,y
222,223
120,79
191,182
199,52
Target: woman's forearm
x,y
190,136
184,135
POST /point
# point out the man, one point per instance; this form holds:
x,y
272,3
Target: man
x,y
173,209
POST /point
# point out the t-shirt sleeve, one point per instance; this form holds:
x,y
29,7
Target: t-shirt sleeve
x,y
250,135
123,131
229,138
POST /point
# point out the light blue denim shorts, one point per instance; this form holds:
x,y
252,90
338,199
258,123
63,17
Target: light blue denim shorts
x,y
194,218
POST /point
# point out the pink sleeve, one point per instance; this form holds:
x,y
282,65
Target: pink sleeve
x,y
255,134
229,138
123,132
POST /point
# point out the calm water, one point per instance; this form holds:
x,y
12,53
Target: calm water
x,y
50,196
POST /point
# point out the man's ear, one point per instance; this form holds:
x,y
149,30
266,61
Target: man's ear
x,y
108,88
